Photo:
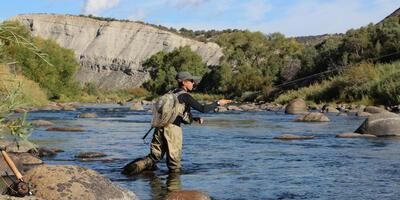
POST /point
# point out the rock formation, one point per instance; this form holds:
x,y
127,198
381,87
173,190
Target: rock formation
x,y
111,53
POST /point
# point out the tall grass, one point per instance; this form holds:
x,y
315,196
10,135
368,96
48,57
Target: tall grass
x,y
364,83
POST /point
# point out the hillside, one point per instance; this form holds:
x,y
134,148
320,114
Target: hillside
x,y
111,53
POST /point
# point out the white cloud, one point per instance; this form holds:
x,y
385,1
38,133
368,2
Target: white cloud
x,y
314,17
94,7
256,9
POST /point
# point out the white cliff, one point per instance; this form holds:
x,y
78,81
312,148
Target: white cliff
x,y
111,52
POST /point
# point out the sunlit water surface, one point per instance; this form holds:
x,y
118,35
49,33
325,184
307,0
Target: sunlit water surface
x,y
233,155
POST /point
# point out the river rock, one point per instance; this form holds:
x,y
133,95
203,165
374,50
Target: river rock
x,y
293,137
221,109
188,195
381,124
57,182
87,115
354,135
234,108
18,147
248,107
296,106
312,117
65,129
20,110
331,109
44,152
363,114
374,109
42,123
90,155
28,159
137,106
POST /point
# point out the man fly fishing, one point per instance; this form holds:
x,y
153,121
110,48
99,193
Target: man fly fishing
x,y
172,110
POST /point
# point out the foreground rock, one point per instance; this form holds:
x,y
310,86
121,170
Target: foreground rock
x,y
381,124
188,195
56,182
5,197
354,135
293,137
296,106
313,117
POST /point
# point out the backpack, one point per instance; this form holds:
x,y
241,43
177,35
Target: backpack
x,y
166,109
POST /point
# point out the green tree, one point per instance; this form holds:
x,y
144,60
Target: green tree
x,y
163,68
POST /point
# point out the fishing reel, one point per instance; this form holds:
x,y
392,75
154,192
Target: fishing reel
x,y
19,189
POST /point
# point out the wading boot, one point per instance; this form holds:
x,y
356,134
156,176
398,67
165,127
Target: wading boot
x,y
139,165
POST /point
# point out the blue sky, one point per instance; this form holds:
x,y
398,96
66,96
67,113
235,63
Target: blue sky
x,y
290,17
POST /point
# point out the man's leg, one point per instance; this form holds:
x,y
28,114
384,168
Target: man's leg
x,y
173,137
157,151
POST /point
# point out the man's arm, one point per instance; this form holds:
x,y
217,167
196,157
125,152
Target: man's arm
x,y
190,101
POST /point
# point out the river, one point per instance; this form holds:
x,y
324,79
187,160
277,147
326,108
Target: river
x,y
233,155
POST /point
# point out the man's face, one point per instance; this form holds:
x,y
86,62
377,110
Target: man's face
x,y
188,84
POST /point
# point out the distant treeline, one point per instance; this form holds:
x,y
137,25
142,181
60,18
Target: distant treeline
x,y
256,64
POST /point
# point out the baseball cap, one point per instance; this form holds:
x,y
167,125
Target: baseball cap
x,y
182,76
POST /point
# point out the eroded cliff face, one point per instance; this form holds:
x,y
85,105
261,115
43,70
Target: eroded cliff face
x,y
111,53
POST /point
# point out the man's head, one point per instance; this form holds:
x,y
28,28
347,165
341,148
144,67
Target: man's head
x,y
186,80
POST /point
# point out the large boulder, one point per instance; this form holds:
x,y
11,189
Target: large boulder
x,y
374,109
296,106
312,117
381,124
56,182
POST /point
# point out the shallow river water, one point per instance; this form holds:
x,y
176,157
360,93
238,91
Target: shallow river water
x,y
233,155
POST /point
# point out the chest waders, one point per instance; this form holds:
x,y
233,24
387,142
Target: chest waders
x,y
167,138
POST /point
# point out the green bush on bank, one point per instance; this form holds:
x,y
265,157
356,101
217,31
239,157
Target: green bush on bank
x,y
364,83
55,73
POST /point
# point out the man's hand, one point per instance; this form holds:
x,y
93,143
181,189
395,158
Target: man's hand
x,y
199,120
222,102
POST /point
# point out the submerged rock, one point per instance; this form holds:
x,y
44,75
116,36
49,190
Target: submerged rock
x,y
65,129
381,124
313,117
56,182
42,123
188,195
90,155
354,135
293,137
87,115
296,106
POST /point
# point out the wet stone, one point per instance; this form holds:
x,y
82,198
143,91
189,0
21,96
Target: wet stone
x,y
293,137
65,129
90,155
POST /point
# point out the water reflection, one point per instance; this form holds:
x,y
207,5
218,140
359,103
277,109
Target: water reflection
x,y
160,188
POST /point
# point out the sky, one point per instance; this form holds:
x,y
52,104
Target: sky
x,y
290,17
